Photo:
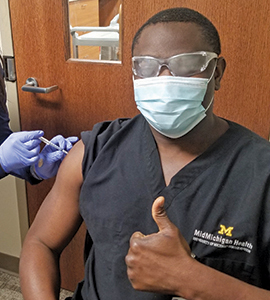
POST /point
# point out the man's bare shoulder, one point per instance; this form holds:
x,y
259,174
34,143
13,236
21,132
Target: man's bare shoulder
x,y
71,166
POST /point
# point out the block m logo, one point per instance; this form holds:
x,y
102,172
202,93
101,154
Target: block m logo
x,y
224,230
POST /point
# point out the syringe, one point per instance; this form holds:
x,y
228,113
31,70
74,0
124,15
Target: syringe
x,y
47,142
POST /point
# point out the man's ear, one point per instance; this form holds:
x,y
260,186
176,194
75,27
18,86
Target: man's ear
x,y
220,69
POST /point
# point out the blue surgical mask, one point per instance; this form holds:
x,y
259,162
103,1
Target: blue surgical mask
x,y
172,105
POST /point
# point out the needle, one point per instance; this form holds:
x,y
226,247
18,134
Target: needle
x,y
47,142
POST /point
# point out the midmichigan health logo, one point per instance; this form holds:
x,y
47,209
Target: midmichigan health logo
x,y
223,239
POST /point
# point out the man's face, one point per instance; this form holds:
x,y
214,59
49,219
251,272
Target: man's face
x,y
164,40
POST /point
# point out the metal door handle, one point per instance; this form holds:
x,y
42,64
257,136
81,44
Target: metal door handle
x,y
32,86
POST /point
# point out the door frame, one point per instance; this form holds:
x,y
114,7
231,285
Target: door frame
x,y
16,203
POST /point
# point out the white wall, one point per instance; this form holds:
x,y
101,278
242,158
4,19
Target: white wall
x,y
13,207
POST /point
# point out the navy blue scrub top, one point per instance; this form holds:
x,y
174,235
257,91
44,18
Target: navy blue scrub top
x,y
5,131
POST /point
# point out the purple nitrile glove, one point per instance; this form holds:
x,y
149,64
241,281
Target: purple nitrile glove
x,y
20,149
50,158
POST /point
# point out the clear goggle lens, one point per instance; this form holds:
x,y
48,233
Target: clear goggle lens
x,y
186,64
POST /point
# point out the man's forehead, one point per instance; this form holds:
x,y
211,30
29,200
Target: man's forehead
x,y
175,37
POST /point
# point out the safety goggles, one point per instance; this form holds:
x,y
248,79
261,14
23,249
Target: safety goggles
x,y
185,64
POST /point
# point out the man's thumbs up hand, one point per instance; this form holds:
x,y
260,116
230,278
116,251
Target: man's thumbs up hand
x,y
153,261
160,216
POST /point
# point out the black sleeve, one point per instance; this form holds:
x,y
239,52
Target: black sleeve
x,y
2,173
5,131
96,139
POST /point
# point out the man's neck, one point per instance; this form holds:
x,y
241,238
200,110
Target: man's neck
x,y
175,154
197,140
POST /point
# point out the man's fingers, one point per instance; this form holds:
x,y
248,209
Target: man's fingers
x,y
134,242
137,234
135,237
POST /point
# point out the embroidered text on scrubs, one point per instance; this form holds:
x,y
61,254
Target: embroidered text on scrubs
x,y
221,242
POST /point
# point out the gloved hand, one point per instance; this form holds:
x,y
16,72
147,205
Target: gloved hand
x,y
20,150
51,158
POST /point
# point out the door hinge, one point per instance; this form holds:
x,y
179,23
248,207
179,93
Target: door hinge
x,y
9,68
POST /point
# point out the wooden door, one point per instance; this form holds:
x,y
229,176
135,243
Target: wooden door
x,y
91,92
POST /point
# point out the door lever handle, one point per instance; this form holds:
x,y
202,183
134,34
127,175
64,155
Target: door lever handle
x,y
32,86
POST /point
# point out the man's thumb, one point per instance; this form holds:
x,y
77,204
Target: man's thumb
x,y
159,214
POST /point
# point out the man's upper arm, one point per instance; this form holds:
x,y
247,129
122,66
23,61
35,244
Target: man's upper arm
x,y
58,218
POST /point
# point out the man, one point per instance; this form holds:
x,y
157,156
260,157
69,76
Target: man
x,y
175,200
